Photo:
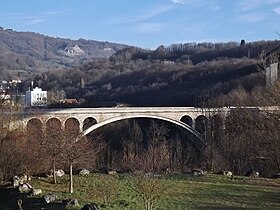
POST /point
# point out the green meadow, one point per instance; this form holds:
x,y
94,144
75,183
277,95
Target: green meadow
x,y
177,191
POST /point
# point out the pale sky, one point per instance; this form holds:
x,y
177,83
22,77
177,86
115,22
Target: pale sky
x,y
146,23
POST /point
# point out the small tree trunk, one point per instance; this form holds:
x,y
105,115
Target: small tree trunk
x,y
54,168
212,157
153,159
71,178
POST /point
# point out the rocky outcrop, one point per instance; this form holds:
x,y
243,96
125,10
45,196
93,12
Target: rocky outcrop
x,y
73,50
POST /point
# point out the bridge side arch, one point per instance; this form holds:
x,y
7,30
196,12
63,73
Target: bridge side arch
x,y
187,120
88,122
119,118
34,119
34,126
72,125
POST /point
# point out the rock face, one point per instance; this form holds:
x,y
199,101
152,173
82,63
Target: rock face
x,y
73,50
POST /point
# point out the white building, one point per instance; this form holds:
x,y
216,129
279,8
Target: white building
x,y
35,97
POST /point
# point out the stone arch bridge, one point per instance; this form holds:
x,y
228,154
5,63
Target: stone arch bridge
x,y
185,117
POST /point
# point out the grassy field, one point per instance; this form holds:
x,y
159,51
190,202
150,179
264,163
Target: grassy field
x,y
170,192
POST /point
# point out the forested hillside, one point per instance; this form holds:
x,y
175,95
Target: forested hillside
x,y
177,75
25,53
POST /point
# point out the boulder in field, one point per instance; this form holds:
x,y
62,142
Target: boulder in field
x,y
25,188
225,173
252,173
197,172
50,198
276,176
36,192
112,173
90,207
59,173
84,172
72,203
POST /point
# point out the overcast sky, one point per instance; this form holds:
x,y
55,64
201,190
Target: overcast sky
x,y
146,23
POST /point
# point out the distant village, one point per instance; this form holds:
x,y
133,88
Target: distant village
x,y
33,97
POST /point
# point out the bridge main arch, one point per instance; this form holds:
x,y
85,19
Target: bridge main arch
x,y
133,116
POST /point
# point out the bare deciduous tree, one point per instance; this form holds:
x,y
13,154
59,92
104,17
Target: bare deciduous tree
x,y
79,149
12,158
132,144
158,148
150,189
107,188
53,143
